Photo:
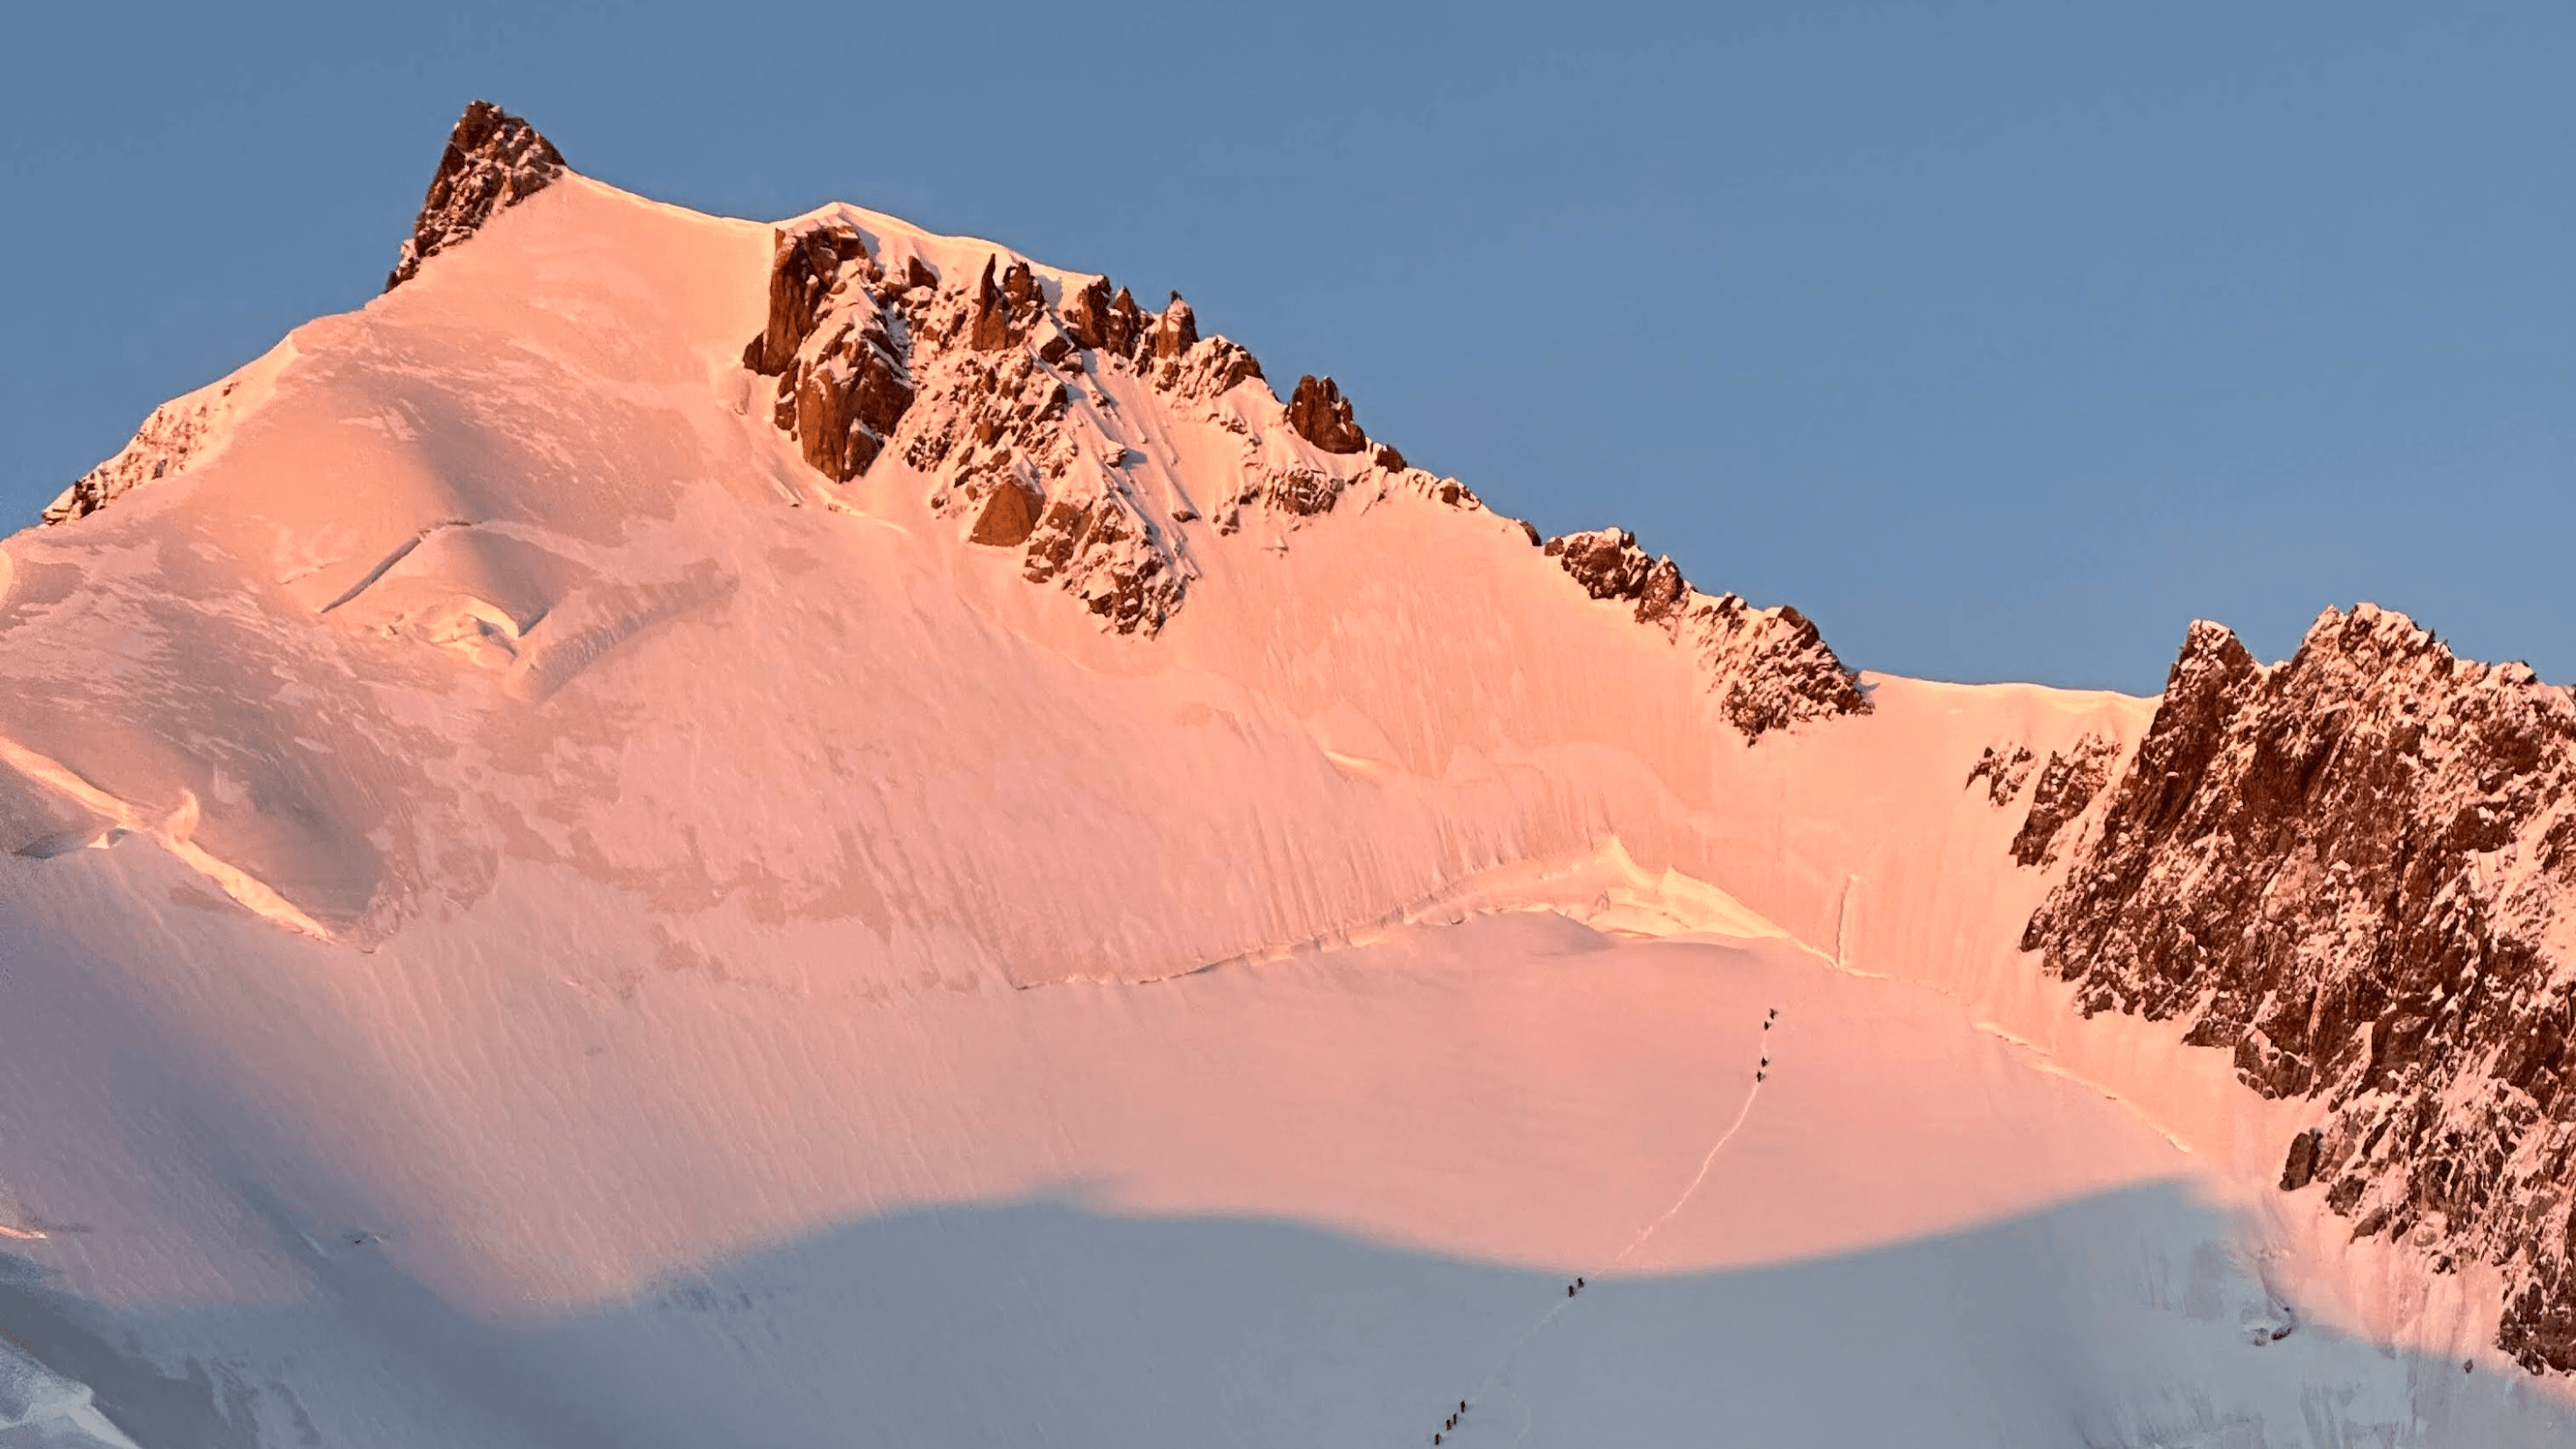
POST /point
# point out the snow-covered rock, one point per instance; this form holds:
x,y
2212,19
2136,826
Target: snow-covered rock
x,y
702,831
2350,870
1769,666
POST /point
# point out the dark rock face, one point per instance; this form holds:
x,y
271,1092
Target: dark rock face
x,y
989,390
1001,313
831,342
803,269
1319,413
1771,665
1123,325
2345,869
2004,770
970,383
1140,586
2300,1167
493,160
1606,561
2067,784
1176,331
1010,515
1086,314
1303,493
1777,669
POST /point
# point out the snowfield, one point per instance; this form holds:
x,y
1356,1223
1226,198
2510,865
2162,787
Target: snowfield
x,y
537,918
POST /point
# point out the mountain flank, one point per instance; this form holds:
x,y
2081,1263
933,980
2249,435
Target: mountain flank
x,y
2349,870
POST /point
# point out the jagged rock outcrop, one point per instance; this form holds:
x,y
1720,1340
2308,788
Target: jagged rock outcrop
x,y
1319,413
842,388
1771,665
174,437
974,384
2300,1167
1101,322
2346,869
2004,769
987,388
2067,784
493,160
1609,565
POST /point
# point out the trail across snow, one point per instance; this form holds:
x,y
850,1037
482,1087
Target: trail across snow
x,y
1708,1161
667,870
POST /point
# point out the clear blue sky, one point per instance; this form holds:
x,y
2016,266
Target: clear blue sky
x,y
2003,339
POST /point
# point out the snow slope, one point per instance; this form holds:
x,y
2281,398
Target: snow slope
x,y
539,917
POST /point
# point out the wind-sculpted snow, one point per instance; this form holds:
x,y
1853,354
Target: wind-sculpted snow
x,y
569,879
2348,870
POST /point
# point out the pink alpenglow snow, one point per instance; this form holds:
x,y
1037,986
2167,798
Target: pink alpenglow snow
x,y
695,831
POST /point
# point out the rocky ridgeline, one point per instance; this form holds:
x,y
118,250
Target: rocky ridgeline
x,y
1773,669
169,440
493,160
2344,869
984,386
991,387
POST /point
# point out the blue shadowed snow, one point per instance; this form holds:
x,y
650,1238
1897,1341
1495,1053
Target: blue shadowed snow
x,y
1045,1322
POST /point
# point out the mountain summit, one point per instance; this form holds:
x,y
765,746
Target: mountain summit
x,y
688,830
493,160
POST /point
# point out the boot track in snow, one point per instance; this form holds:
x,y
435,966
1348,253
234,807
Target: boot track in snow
x,y
1581,1282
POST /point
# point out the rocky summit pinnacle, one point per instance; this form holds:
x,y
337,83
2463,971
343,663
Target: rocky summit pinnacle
x,y
493,160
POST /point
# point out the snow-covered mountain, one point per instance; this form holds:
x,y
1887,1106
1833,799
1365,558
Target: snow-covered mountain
x,y
687,830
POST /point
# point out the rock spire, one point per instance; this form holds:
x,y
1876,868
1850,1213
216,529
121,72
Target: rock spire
x,y
494,160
